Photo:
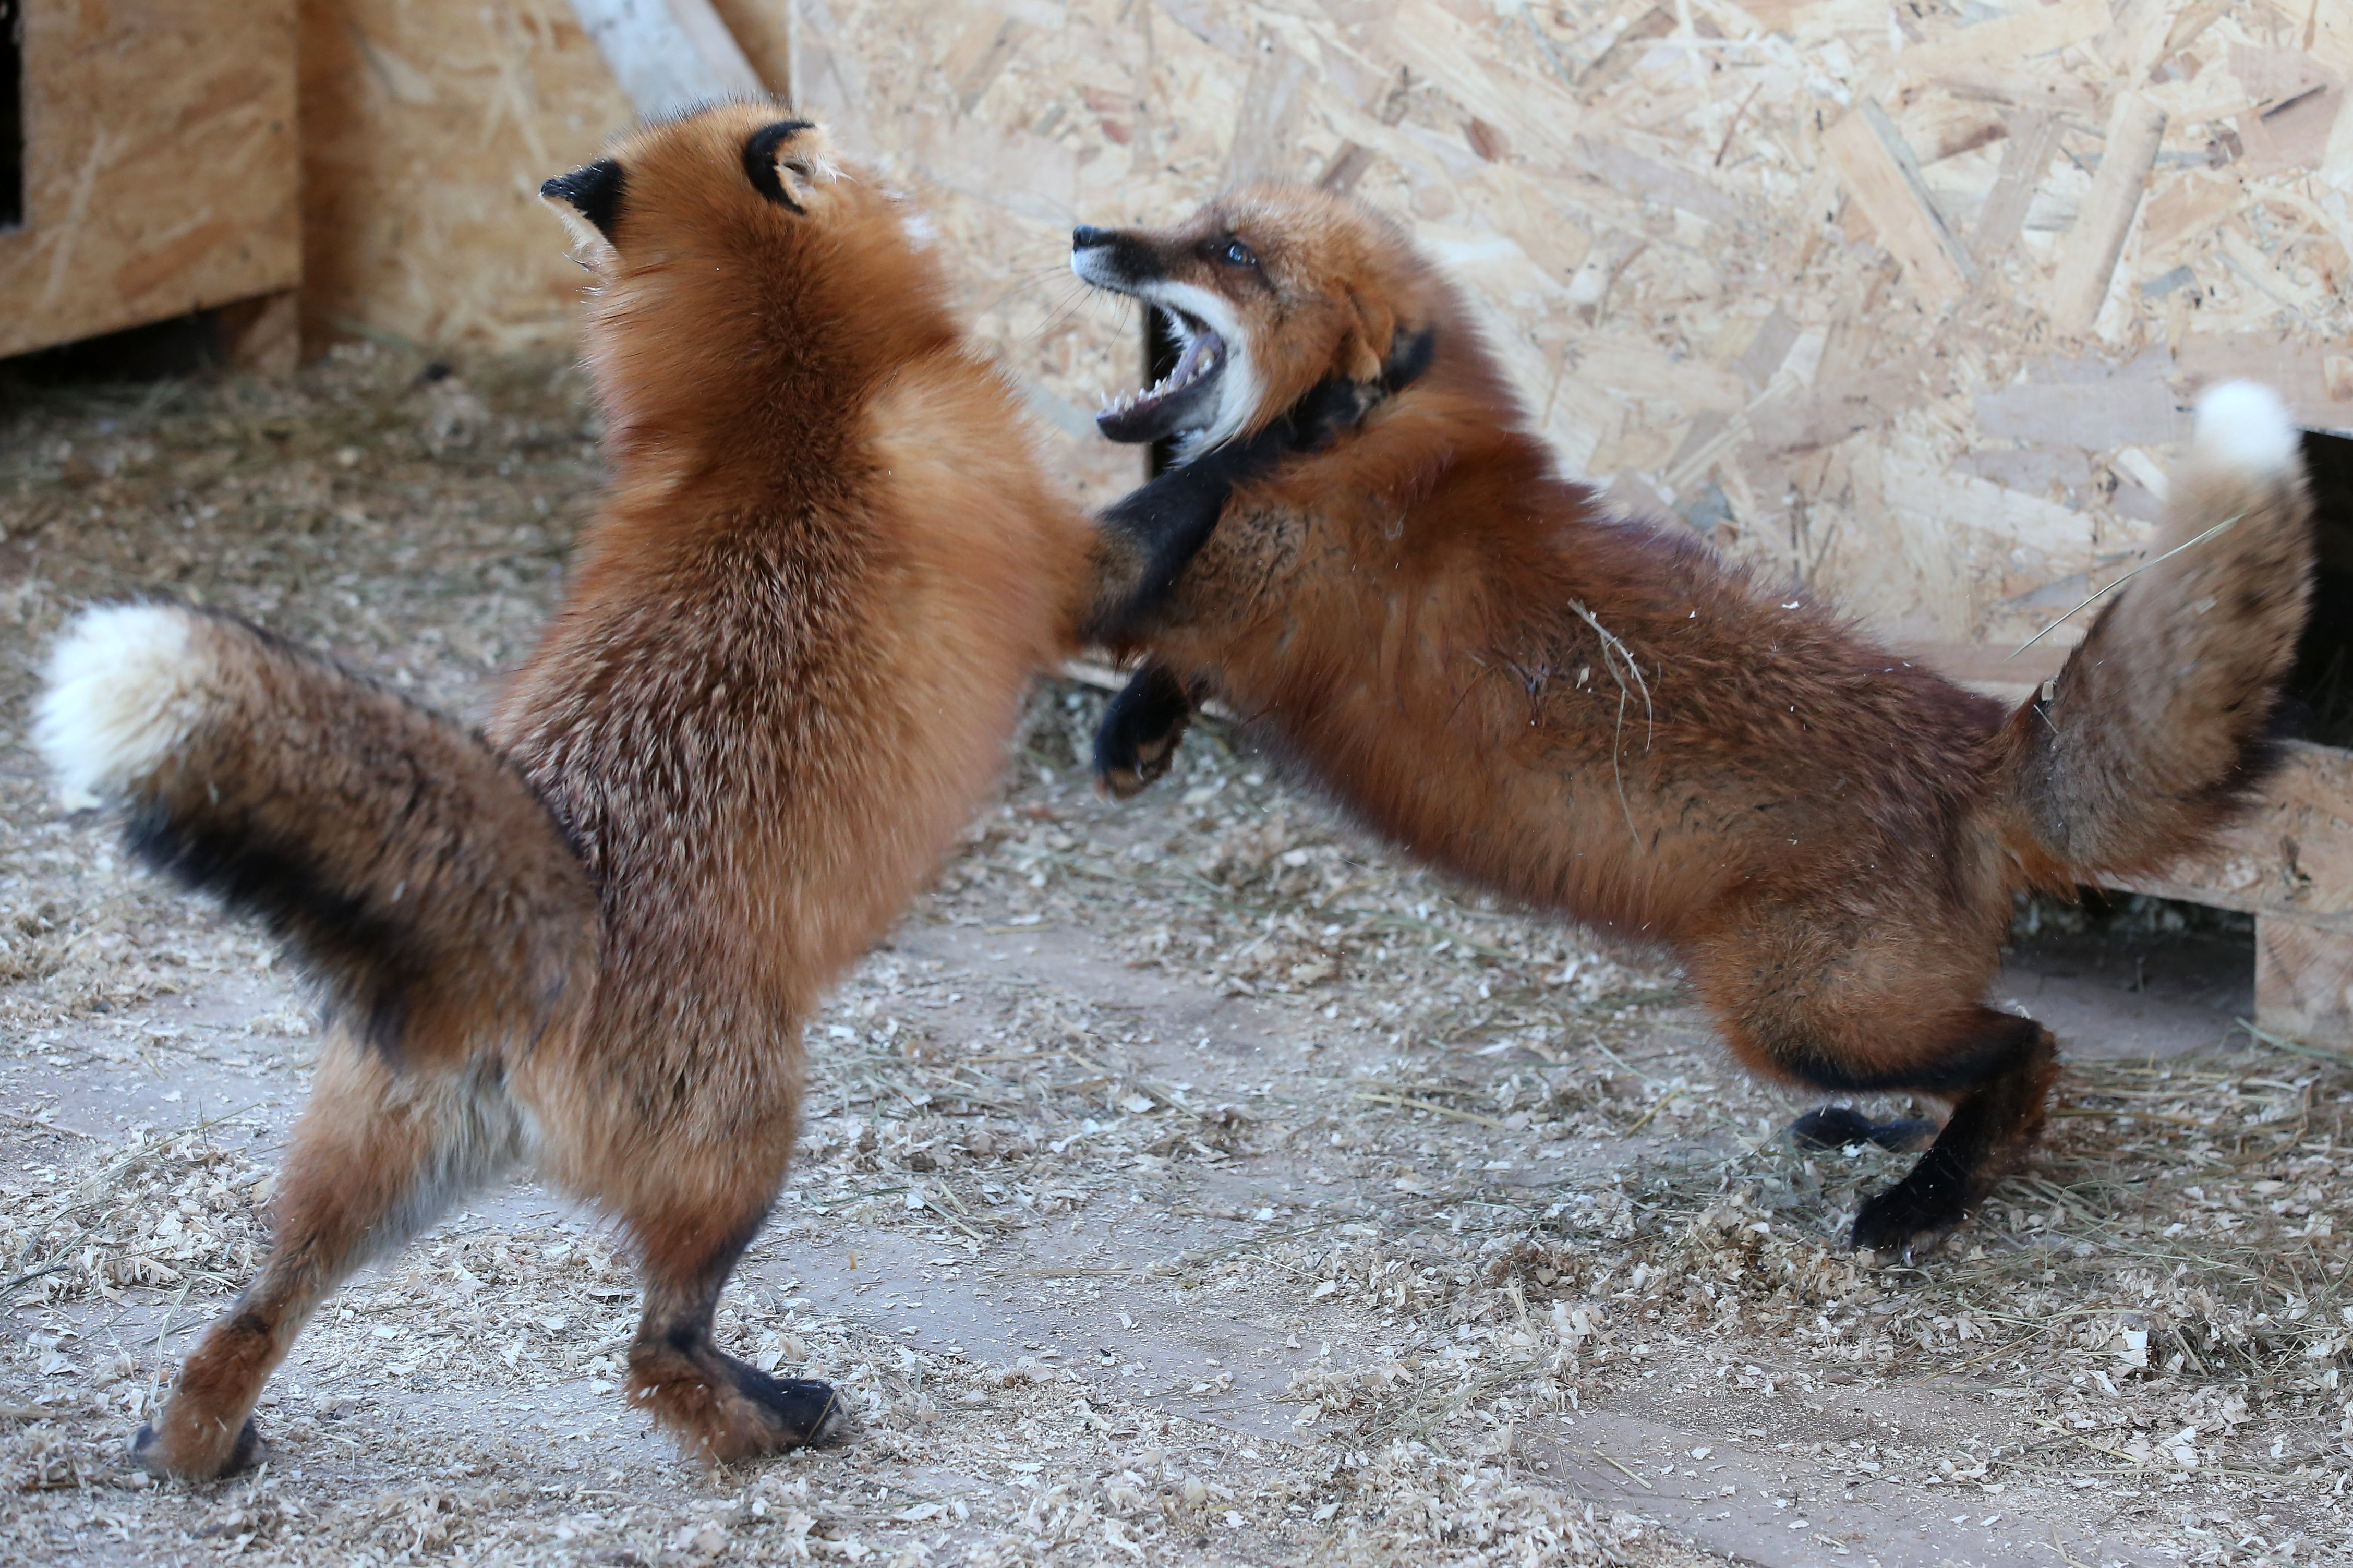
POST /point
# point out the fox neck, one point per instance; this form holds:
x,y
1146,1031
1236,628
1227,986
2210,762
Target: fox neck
x,y
755,405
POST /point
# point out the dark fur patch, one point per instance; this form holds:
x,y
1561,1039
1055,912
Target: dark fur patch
x,y
369,966
760,160
593,191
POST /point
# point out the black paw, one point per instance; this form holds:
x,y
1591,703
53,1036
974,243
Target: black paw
x,y
1832,1127
1843,1127
1135,744
148,1454
1905,1135
1914,1214
806,1413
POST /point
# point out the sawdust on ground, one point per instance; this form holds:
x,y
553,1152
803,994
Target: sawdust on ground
x,y
1276,1204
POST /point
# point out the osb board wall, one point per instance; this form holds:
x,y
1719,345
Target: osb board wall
x,y
1903,301
427,126
160,165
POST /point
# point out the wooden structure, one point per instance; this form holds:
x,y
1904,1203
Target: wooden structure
x,y
159,171
1904,303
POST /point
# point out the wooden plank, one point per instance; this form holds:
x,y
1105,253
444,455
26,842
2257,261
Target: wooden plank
x,y
668,55
161,170
2291,855
2087,258
1884,180
2314,377
2304,980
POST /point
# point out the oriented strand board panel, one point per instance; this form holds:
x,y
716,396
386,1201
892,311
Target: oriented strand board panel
x,y
160,164
427,126
1811,275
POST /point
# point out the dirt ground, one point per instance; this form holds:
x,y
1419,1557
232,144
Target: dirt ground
x,y
1186,1181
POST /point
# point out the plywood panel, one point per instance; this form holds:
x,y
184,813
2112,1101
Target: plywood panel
x,y
161,166
428,127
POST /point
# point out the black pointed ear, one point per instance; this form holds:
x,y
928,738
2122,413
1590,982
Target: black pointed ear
x,y
595,193
764,160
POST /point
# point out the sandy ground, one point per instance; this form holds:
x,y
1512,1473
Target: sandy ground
x,y
1184,1181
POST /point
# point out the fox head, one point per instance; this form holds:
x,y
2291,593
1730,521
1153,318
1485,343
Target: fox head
x,y
1271,290
738,258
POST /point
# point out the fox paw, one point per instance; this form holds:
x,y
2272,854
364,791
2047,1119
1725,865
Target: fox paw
x,y
149,1452
1137,742
802,1412
1843,1127
1910,1217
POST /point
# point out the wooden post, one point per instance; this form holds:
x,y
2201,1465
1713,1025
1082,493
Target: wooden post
x,y
2304,980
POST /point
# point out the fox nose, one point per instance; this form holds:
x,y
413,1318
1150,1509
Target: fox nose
x,y
1085,236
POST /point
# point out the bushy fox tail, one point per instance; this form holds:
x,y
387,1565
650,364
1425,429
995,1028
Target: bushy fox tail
x,y
407,864
2160,721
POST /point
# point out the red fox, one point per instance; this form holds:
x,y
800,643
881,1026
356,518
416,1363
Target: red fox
x,y
793,644
1603,719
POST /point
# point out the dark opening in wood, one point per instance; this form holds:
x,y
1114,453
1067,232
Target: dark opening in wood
x,y
11,113
2321,689
1160,353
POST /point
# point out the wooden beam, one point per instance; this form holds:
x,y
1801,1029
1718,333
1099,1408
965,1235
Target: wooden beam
x,y
669,54
2289,858
2304,980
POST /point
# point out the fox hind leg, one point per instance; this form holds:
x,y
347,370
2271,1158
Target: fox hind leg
x,y
724,1408
1992,1127
376,1156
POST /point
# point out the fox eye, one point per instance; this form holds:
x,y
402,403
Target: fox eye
x,y
1237,254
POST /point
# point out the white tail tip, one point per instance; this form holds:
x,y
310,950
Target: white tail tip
x,y
2245,425
123,689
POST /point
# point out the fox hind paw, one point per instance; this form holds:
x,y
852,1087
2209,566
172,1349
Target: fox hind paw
x,y
1912,1215
148,1453
1843,1127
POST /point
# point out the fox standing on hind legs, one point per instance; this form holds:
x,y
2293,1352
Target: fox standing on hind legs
x,y
792,646
1605,719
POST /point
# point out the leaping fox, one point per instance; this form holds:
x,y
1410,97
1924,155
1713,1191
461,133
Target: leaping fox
x,y
1604,719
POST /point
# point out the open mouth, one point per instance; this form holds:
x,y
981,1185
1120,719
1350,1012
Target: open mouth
x,y
1181,400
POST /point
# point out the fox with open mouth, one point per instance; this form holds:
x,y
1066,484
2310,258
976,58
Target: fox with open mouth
x,y
1603,719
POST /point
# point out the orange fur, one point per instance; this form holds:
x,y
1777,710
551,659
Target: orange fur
x,y
794,642
1603,719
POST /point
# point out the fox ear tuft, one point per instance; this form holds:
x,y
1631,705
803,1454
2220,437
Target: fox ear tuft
x,y
1365,350
594,192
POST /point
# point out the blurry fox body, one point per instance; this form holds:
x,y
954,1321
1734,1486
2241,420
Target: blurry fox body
x,y
793,644
1603,719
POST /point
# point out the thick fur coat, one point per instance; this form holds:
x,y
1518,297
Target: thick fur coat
x,y
793,644
1603,717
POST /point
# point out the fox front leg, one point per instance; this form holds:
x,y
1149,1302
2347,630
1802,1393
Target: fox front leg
x,y
1146,539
